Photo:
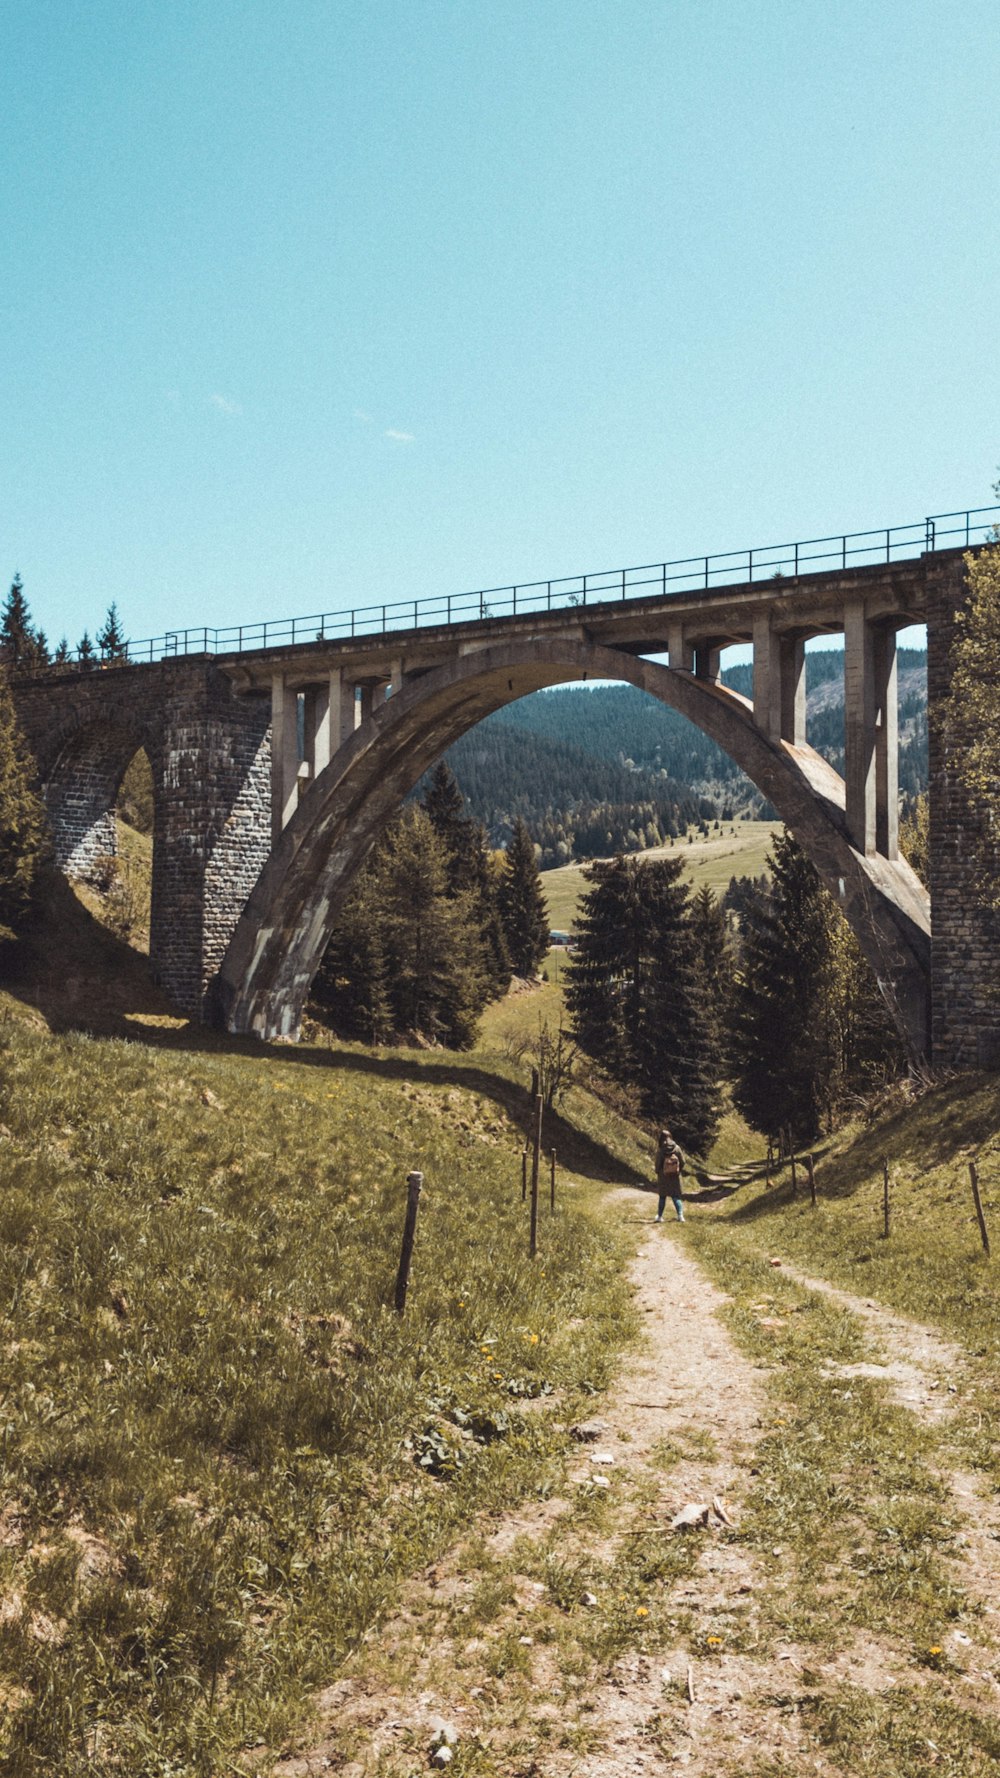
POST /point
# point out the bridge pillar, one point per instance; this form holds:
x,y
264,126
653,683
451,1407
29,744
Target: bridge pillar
x,y
318,729
860,715
212,827
680,652
871,772
886,746
965,935
284,754
779,683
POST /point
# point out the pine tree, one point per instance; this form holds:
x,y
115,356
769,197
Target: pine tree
x,y
85,652
22,820
679,1060
603,978
444,806
438,988
781,1043
636,994
110,640
522,905
61,656
353,980
18,648
469,871
713,949
406,956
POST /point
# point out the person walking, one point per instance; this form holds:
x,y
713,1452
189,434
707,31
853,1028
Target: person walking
x,y
669,1171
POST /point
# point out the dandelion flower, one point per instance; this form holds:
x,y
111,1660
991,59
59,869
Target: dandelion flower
x,y
935,1649
641,1611
714,1641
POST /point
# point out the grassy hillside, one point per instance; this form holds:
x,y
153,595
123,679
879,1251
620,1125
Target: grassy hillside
x,y
223,1450
224,1454
739,849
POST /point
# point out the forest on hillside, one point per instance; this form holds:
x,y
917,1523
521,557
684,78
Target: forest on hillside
x,y
593,770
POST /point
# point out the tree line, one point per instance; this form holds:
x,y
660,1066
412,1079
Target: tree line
x,y
678,998
562,756
25,648
436,925
576,804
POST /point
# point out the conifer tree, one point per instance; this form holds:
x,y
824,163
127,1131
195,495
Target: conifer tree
x,y
22,820
406,956
85,652
438,986
781,1041
522,904
444,805
353,980
603,981
636,994
18,645
469,871
713,950
110,640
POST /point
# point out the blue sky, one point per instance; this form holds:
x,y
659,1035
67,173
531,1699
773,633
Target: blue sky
x,y
311,306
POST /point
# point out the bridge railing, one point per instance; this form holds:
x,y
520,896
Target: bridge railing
x,y
769,563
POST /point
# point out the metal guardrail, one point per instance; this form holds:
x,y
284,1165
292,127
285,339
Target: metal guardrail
x,y
690,574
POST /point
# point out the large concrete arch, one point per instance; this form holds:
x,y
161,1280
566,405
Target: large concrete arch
x,y
281,936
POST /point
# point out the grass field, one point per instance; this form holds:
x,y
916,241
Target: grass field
x,y
223,1451
739,849
225,1455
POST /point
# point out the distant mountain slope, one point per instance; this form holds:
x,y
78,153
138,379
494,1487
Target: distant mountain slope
x,y
582,762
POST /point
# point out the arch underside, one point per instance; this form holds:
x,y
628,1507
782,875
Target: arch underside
x,y
283,932
80,788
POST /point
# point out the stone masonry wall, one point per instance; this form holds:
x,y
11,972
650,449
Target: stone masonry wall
x,y
209,752
965,938
212,829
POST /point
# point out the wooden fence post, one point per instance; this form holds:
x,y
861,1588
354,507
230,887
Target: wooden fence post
x,y
414,1181
552,1181
524,1173
886,1201
795,1177
977,1200
811,1170
536,1150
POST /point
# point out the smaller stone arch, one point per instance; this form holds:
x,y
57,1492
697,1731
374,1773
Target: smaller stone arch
x,y
280,939
80,788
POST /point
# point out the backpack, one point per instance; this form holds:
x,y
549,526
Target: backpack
x,y
670,1166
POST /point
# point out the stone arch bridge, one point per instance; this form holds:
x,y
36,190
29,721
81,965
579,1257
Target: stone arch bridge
x,y
275,767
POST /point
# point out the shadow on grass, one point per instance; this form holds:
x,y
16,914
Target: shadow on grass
x,y
82,978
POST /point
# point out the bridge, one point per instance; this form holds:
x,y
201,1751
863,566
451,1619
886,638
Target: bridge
x,y
279,752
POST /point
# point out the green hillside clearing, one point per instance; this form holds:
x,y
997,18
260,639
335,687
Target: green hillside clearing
x,y
739,849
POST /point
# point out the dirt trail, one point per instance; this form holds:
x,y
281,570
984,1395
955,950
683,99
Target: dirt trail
x,y
689,1381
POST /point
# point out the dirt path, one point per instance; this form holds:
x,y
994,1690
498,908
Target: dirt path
x,y
690,1378
512,1684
